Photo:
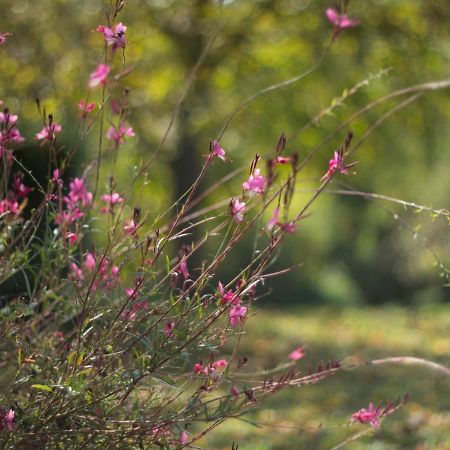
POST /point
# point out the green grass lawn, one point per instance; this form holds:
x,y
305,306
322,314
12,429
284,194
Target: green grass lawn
x,y
317,416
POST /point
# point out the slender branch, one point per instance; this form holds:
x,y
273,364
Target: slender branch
x,y
412,361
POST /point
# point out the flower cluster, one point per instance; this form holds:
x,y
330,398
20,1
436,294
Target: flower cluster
x,y
73,207
105,273
237,313
16,196
210,368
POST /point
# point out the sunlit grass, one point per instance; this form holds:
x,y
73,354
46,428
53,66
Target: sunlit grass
x,y
315,417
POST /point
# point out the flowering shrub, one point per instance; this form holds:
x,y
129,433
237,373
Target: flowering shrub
x,y
126,345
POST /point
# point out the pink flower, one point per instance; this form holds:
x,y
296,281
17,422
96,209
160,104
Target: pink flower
x,y
256,183
337,165
371,415
48,132
77,272
184,438
217,150
237,210
114,37
298,353
220,363
8,132
78,193
89,262
168,329
118,134
99,76
220,288
340,21
4,37
85,108
8,119
20,190
72,237
8,206
111,200
77,198
227,297
237,314
9,419
183,269
115,271
130,227
199,369
57,177
130,292
12,134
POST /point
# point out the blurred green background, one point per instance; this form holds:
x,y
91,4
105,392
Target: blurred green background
x,y
354,254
